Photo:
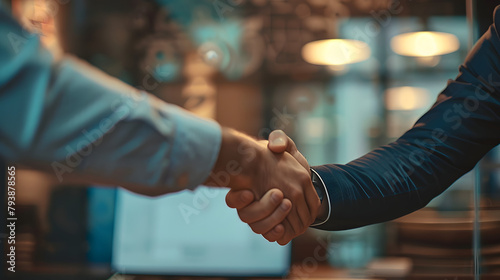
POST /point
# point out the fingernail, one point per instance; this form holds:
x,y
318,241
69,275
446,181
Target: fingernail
x,y
276,198
278,141
285,206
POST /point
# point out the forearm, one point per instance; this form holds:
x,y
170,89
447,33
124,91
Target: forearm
x,y
396,179
75,121
91,128
384,185
443,145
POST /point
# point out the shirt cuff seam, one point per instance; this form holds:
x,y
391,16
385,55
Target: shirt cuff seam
x,y
327,197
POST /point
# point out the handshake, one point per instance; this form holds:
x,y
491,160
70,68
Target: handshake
x,y
270,184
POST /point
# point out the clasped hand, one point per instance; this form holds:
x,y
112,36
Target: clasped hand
x,y
283,203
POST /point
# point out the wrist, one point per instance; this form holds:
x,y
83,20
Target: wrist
x,y
236,163
320,187
323,212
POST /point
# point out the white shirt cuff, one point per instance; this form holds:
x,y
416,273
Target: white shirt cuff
x,y
324,204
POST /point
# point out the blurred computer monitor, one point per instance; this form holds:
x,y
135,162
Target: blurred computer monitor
x,y
190,233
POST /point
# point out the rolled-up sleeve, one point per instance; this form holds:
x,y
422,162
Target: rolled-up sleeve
x,y
73,119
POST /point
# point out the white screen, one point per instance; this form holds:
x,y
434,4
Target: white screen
x,y
190,233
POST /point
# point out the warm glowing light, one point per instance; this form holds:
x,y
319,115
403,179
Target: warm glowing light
x,y
406,98
423,44
335,52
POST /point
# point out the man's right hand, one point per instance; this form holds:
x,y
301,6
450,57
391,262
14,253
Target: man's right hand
x,y
264,216
247,164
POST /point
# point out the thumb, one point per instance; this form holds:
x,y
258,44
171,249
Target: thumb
x,y
279,142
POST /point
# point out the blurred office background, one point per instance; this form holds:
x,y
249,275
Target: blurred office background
x,y
259,65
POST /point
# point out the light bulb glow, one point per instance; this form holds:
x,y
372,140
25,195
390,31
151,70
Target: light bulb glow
x,y
406,98
424,44
335,52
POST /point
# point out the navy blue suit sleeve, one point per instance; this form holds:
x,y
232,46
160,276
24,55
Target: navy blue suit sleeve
x,y
444,144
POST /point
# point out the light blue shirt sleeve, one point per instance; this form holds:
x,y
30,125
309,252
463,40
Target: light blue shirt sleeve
x,y
71,118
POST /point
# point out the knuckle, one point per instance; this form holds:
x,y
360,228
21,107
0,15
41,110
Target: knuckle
x,y
261,228
244,217
305,179
284,241
270,238
255,229
297,194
